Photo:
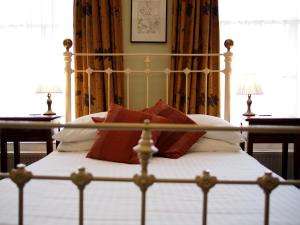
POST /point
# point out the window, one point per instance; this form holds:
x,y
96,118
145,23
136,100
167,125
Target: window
x,y
266,37
32,33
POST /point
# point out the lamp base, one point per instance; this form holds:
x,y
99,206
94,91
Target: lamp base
x,y
49,102
49,113
249,102
249,114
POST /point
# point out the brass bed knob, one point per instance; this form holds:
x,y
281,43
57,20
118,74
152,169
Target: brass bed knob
x,y
67,44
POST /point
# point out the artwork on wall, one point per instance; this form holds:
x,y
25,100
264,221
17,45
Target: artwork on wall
x,y
149,21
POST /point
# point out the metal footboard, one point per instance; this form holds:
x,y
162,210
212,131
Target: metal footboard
x,y
144,180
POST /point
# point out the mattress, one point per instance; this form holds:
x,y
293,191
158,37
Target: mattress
x,y
56,202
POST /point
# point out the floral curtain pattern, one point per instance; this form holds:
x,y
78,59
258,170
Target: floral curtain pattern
x,y
97,28
195,29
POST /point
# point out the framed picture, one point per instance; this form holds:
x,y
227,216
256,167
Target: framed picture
x,y
149,21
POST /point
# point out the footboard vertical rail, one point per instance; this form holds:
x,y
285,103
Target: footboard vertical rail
x,y
145,150
81,179
268,184
20,177
205,182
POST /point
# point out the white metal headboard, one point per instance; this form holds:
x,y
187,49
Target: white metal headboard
x,y
147,71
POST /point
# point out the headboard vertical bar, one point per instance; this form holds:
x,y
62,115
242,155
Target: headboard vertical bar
x,y
68,71
147,89
187,73
128,86
206,72
109,73
89,72
147,62
227,71
167,85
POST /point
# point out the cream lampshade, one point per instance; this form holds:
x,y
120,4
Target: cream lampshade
x,y
48,88
249,87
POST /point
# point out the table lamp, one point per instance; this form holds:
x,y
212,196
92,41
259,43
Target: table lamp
x,y
48,88
249,87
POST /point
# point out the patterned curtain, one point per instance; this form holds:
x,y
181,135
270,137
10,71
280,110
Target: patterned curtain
x,y
97,28
195,29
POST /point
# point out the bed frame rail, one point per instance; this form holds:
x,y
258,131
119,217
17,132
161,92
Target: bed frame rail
x,y
148,71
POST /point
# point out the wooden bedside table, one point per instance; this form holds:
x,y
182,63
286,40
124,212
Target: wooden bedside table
x,y
24,135
284,138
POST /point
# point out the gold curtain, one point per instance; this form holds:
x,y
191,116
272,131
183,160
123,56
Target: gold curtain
x,y
97,28
195,29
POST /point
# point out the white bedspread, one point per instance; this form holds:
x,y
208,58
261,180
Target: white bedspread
x,y
55,202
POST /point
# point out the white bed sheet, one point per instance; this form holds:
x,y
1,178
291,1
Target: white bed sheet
x,y
55,202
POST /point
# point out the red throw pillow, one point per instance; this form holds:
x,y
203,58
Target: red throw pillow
x,y
173,144
117,145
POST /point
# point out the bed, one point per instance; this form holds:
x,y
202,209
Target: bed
x,y
176,195
211,182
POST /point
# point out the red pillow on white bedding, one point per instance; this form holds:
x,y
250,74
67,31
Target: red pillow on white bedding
x,y
117,146
174,144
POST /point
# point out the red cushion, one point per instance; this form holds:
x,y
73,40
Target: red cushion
x,y
117,146
173,144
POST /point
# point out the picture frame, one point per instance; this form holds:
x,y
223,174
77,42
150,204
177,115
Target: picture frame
x,y
148,21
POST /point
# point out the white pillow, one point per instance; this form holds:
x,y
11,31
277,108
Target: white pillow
x,y
234,137
213,145
75,146
202,145
75,135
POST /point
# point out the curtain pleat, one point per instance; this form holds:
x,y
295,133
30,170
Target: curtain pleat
x,y
195,29
97,29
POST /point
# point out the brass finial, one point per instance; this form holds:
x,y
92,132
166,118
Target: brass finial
x,y
20,176
67,44
145,147
268,182
228,44
206,181
143,181
81,178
